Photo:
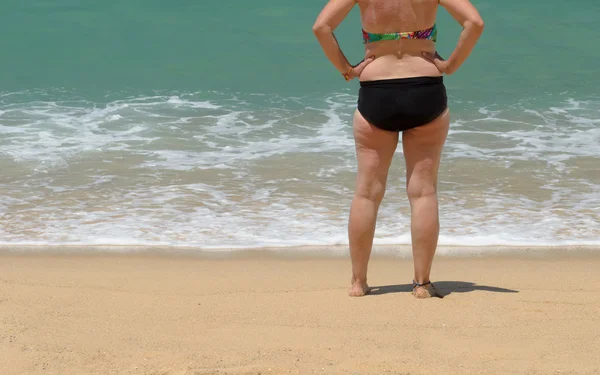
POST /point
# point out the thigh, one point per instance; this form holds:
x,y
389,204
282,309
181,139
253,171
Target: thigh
x,y
423,146
375,150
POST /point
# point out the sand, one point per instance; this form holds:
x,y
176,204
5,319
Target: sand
x,y
260,313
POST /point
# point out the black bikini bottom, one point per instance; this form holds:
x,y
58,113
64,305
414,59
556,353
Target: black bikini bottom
x,y
402,103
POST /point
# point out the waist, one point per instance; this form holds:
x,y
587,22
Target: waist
x,y
390,66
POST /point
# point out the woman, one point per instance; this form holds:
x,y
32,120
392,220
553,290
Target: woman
x,y
402,91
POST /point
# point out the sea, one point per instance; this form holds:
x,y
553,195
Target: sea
x,y
219,125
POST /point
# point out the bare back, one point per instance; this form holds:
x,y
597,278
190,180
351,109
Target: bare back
x,y
398,58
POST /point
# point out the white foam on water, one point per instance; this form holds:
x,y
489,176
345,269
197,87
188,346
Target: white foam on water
x,y
253,144
178,102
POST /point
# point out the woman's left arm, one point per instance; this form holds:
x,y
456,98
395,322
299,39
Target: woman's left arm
x,y
330,18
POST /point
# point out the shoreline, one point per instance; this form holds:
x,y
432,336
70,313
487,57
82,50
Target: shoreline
x,y
307,252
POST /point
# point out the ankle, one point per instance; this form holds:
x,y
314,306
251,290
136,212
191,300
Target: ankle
x,y
421,281
359,280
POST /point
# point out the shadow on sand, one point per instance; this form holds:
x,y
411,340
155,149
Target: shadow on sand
x,y
444,288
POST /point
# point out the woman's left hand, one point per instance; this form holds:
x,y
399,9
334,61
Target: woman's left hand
x,y
440,63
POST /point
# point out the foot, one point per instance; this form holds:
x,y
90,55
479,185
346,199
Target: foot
x,y
425,290
358,288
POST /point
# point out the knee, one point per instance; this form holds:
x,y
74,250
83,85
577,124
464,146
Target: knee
x,y
373,191
422,181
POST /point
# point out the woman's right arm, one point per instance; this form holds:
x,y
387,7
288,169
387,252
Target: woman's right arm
x,y
465,14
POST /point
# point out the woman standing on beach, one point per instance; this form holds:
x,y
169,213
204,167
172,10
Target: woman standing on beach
x,y
401,91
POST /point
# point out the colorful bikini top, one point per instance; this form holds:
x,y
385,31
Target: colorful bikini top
x,y
429,34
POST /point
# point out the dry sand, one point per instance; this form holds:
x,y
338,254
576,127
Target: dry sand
x,y
259,313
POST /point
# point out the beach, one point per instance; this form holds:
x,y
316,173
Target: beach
x,y
68,311
176,180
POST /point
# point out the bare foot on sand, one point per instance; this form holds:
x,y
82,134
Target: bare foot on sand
x,y
358,289
425,291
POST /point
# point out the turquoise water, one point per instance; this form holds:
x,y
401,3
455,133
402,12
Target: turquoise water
x,y
186,123
528,48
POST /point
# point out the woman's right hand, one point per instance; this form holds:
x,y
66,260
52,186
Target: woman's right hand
x,y
357,70
441,64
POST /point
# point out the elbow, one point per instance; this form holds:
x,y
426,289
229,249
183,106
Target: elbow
x,y
320,28
476,25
